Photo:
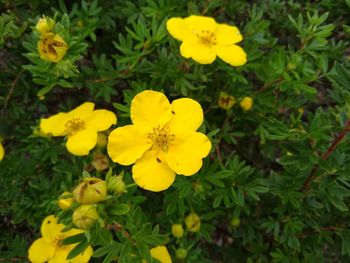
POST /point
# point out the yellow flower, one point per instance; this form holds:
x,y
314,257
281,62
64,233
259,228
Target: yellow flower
x,y
80,126
203,39
161,253
65,202
49,248
226,101
246,103
90,190
177,230
52,47
193,222
45,25
2,151
162,140
85,216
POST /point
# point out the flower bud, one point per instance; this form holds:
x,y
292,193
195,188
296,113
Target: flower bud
x,y
101,140
235,222
100,162
177,230
65,202
85,216
181,253
45,25
116,184
226,101
246,103
52,47
193,222
90,190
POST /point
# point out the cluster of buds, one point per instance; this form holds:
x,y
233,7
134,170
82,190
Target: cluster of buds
x,y
87,194
227,101
193,224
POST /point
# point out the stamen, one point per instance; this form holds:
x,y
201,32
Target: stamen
x,y
161,138
74,125
207,38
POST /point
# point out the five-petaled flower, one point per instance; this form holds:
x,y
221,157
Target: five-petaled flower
x,y
162,140
203,39
52,47
49,247
80,125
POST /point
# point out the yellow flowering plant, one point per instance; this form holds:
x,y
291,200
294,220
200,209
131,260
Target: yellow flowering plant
x,y
81,126
49,247
162,141
263,177
203,40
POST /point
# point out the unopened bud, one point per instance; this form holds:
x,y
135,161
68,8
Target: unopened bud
x,y
246,103
65,202
193,222
181,253
226,101
177,230
235,222
90,190
100,162
116,184
101,140
85,216
45,25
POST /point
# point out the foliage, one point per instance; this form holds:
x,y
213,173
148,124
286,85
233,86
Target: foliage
x,y
276,185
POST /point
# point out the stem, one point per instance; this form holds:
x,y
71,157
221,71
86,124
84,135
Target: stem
x,y
325,156
13,85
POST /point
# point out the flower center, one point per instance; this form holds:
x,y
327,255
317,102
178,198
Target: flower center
x,y
161,138
57,241
206,37
74,125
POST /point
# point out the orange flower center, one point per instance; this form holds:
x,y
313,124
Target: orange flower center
x,y
207,38
74,125
161,138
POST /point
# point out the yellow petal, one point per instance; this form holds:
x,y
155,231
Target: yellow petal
x,y
177,27
101,120
84,257
199,23
61,254
233,55
161,253
84,111
152,173
150,109
187,115
227,35
82,142
2,152
127,144
198,52
55,125
186,152
50,229
41,251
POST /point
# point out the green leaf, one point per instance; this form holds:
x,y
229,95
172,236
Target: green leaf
x,y
119,209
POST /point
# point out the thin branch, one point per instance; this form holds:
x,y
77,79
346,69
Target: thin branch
x,y
325,156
